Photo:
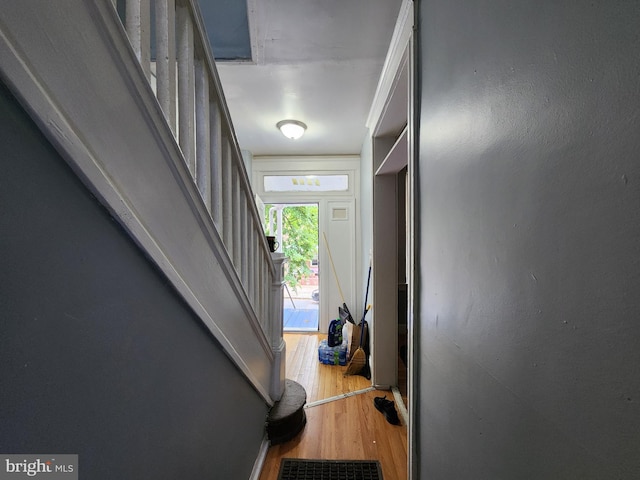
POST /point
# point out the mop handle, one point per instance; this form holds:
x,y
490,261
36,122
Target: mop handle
x,y
333,266
366,295
362,323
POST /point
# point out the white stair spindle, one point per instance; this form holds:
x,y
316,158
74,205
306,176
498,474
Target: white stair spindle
x,y
138,26
166,59
244,240
251,262
203,137
237,219
186,86
215,123
227,197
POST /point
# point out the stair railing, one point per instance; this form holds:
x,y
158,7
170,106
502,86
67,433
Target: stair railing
x,y
139,114
180,67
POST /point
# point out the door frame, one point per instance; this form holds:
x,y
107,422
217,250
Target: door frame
x,y
318,165
392,150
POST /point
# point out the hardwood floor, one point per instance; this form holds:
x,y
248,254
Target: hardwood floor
x,y
320,381
344,428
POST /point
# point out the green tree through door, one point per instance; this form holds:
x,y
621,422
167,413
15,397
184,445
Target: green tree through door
x,y
299,240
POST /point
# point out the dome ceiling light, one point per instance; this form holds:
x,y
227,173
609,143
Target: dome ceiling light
x,y
292,129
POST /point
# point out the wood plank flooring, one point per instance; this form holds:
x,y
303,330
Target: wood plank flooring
x,y
320,381
346,428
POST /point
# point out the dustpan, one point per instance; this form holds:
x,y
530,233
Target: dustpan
x,y
345,315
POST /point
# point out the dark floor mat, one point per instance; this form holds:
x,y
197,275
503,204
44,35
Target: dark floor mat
x,y
304,469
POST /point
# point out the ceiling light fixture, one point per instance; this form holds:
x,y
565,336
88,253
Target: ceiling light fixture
x,y
292,129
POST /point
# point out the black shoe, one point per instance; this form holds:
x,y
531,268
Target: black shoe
x,y
388,409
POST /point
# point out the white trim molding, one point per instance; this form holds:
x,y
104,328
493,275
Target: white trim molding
x,y
260,459
395,56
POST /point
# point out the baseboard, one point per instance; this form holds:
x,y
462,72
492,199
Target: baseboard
x,y
262,455
337,397
379,386
402,409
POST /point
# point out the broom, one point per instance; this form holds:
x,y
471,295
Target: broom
x,y
359,357
343,311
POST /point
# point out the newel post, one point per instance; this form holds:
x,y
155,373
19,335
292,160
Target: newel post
x,y
278,346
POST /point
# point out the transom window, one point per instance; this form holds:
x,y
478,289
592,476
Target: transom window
x,y
306,183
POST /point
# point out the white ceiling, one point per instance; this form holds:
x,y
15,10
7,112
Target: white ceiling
x,y
316,61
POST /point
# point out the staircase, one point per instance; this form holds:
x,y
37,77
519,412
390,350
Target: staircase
x,y
152,139
287,417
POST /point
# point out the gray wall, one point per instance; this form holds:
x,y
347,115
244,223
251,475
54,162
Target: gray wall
x,y
98,355
529,240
